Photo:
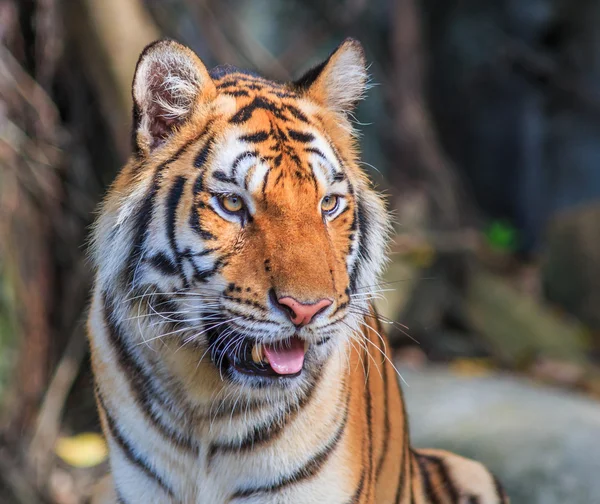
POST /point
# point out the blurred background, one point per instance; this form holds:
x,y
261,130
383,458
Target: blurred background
x,y
483,129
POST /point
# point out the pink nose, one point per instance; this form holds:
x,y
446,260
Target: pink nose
x,y
301,314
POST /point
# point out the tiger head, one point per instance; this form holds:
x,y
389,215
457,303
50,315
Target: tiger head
x,y
242,228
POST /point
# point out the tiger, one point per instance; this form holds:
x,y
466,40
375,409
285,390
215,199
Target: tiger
x,y
236,352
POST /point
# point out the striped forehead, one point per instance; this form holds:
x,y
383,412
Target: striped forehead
x,y
258,161
270,137
231,81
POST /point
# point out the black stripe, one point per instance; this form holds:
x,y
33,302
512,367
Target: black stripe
x,y
204,276
414,473
279,178
447,482
245,113
142,221
317,151
248,302
236,88
173,199
194,221
404,475
249,317
163,264
364,254
297,114
146,393
335,175
294,157
240,158
268,431
146,209
360,488
307,471
202,156
430,492
168,307
386,413
260,102
127,448
310,76
473,500
199,184
339,308
141,384
235,93
337,155
265,182
250,77
259,136
363,225
301,137
223,177
369,419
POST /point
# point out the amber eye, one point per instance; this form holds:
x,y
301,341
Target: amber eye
x,y
232,203
329,203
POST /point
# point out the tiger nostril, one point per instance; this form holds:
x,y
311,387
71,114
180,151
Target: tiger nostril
x,y
285,309
300,313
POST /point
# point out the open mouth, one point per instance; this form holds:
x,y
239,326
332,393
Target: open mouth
x,y
282,359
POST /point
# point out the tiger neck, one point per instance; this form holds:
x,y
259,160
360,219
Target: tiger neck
x,y
346,412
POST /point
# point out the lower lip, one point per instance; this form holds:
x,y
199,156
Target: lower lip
x,y
269,376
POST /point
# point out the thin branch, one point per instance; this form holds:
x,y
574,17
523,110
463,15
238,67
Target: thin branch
x,y
47,427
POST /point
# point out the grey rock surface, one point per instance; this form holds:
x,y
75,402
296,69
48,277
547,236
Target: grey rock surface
x,y
542,443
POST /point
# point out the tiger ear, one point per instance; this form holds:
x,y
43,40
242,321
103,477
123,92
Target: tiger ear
x,y
340,81
170,80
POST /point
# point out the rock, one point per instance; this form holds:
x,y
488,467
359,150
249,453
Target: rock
x,y
542,443
516,326
571,267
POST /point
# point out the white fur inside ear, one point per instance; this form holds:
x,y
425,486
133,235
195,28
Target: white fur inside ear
x,y
343,80
346,81
168,80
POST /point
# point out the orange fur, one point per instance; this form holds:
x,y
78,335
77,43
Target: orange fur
x,y
179,279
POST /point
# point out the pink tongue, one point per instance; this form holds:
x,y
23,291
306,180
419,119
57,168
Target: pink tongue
x,y
286,358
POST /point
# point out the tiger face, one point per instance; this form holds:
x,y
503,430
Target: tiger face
x,y
243,228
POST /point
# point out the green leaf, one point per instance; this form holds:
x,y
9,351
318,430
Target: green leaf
x,y
502,235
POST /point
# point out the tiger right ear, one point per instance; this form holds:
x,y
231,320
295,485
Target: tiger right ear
x,y
169,82
340,81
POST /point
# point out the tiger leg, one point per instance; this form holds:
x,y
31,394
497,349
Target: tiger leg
x,y
439,476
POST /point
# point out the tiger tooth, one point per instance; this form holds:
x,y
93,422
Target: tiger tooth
x,y
306,345
258,354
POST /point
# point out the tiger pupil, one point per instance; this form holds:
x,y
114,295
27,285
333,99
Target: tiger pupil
x,y
232,203
328,203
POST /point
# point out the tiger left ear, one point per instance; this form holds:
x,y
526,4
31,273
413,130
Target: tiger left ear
x,y
170,82
338,83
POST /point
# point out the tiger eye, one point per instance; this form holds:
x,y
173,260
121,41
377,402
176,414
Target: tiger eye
x,y
329,203
232,203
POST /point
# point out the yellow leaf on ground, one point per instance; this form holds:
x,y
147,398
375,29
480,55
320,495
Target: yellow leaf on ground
x,y
472,367
83,450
